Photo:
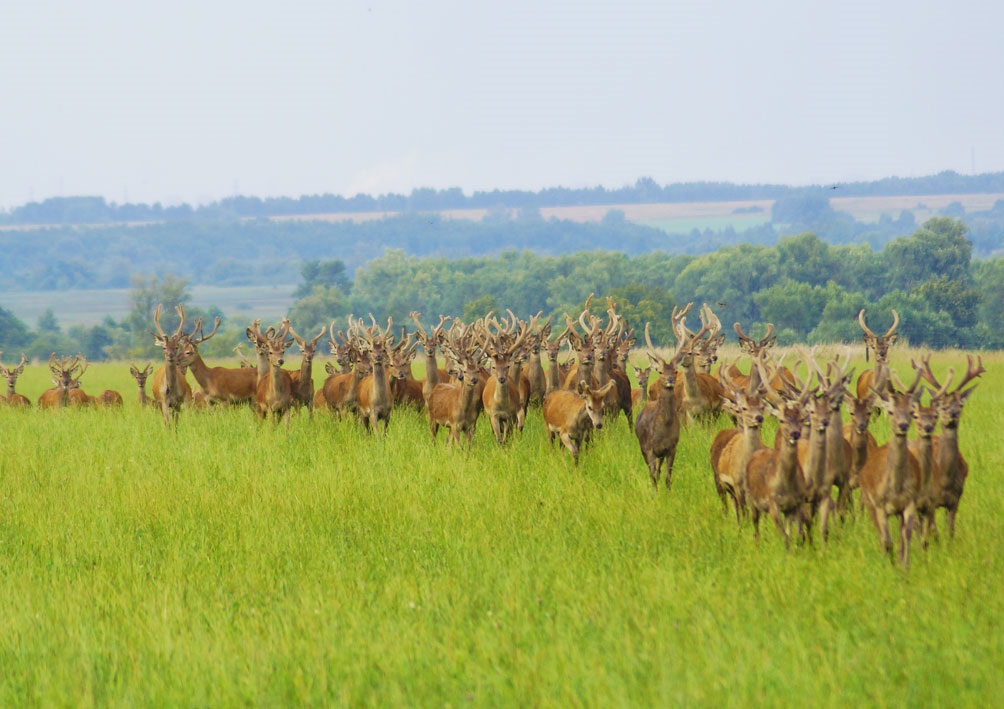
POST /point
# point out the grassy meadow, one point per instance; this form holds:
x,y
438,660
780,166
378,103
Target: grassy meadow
x,y
229,562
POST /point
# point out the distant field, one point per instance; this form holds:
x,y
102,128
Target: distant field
x,y
89,307
682,217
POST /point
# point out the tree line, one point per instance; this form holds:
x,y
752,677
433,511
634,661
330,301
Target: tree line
x,y
95,210
809,289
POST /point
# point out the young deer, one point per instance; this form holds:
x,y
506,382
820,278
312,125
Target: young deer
x,y
141,375
11,374
639,395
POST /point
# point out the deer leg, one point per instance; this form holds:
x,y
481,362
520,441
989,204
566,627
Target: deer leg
x,y
882,524
824,518
950,513
905,530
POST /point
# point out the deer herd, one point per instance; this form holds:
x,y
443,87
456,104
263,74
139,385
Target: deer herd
x,y
493,368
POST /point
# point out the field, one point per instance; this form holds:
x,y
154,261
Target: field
x,y
90,307
229,562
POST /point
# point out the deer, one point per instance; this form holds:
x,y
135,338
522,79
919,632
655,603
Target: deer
x,y
405,389
303,379
171,389
455,405
839,454
890,479
374,398
658,425
66,374
949,470
433,373
501,398
639,395
732,448
553,375
571,415
141,375
274,394
700,396
774,477
11,374
222,385
879,347
340,391
535,375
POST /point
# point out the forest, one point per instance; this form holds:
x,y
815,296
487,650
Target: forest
x,y
810,290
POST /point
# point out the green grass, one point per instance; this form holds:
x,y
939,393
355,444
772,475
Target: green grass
x,y
229,562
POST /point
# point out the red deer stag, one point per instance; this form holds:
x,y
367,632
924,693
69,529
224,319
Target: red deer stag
x,y
375,401
66,378
774,478
11,374
274,394
890,479
879,348
501,398
571,415
732,448
658,424
433,373
455,405
950,470
221,385
303,379
171,389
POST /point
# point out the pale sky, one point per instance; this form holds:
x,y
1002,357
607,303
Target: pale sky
x,y
192,101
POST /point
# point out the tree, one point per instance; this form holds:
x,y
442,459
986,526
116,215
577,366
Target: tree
x,y
14,333
323,273
147,293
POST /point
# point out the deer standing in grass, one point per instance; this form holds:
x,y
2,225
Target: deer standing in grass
x,y
501,397
303,379
572,415
698,395
890,479
639,395
774,478
11,374
949,470
141,375
658,424
732,448
374,398
535,375
274,393
433,373
66,374
878,347
171,388
455,405
223,385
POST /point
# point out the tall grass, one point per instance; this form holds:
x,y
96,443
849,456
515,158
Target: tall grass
x,y
231,562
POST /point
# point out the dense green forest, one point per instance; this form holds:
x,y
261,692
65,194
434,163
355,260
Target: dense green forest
x,y
811,291
808,268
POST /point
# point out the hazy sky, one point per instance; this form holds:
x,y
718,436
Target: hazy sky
x,y
191,101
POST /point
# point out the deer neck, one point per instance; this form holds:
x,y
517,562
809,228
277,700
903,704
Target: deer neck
x,y
897,462
278,380
751,443
381,388
948,450
201,371
788,472
691,388
816,462
553,380
835,441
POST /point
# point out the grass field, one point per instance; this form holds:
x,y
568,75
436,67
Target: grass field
x,y
228,562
